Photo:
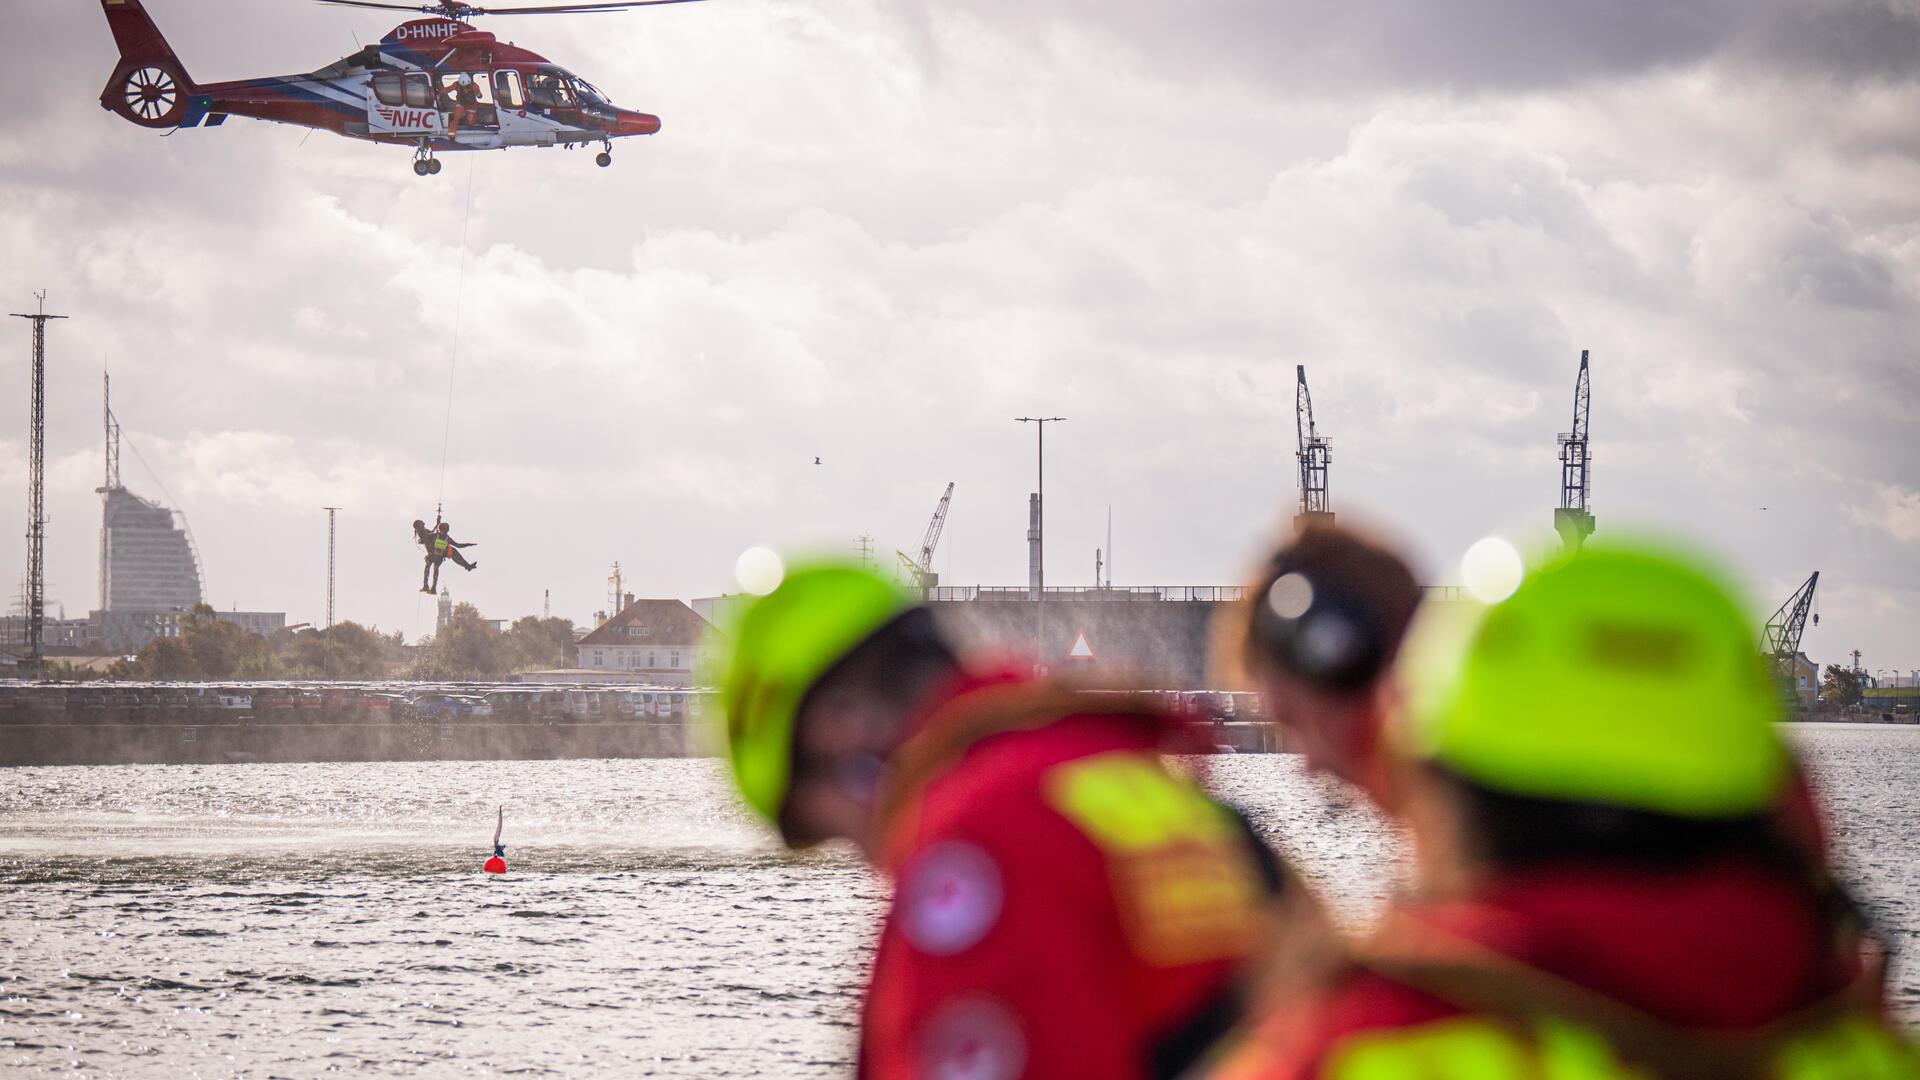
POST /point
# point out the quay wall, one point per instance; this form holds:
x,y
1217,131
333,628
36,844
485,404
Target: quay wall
x,y
126,724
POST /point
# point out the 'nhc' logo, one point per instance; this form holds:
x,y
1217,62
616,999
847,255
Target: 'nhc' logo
x,y
407,118
427,31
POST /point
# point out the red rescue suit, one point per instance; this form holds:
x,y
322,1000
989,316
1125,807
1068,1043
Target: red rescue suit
x,y
1721,970
1064,905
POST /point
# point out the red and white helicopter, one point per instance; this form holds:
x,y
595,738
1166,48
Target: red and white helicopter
x,y
435,84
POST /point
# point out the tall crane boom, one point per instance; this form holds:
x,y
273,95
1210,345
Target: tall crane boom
x,y
917,569
1780,641
1314,454
1572,519
934,528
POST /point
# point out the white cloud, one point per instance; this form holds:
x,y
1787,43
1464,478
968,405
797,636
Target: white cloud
x,y
876,232
1894,509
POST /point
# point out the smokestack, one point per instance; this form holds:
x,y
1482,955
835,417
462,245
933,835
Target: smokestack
x,y
1033,545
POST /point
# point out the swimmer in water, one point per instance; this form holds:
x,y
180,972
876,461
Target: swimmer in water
x,y
498,864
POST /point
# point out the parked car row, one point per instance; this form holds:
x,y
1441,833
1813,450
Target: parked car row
x,y
341,702
440,703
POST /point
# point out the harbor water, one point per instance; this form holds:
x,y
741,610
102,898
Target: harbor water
x,y
295,920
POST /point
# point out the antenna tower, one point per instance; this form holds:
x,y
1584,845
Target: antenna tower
x,y
331,511
37,490
111,482
113,433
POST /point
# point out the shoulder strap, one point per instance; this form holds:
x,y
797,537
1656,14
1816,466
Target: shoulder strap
x,y
1481,979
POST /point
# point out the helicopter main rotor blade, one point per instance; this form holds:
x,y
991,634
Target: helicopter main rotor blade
x,y
570,9
428,8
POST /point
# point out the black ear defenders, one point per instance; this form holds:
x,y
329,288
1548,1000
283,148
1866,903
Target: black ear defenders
x,y
1317,631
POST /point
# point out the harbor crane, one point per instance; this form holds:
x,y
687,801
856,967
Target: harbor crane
x,y
1573,520
1315,453
917,569
1780,641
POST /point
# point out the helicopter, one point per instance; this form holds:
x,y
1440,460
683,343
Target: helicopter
x,y
436,84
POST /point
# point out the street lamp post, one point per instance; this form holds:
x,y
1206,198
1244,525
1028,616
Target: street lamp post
x,y
1040,526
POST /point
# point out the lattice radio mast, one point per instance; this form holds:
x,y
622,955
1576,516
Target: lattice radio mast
x,y
37,490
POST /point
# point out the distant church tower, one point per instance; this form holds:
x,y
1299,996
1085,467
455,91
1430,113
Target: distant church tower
x,y
446,610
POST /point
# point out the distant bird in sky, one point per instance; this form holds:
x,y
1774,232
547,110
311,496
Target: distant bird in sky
x,y
816,461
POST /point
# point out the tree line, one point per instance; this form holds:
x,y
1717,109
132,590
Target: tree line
x,y
469,647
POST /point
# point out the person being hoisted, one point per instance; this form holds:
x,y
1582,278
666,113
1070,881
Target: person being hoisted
x,y
440,546
430,568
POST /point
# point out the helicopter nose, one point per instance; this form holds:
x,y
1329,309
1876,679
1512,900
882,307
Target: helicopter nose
x,y
636,123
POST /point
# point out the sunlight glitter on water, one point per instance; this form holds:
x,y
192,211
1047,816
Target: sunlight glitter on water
x,y
296,919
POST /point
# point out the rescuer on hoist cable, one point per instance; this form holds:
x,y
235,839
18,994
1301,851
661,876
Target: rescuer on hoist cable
x,y
1064,904
440,546
1618,867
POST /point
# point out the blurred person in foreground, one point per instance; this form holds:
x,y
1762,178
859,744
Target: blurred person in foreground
x,y
1064,904
1317,636
1618,872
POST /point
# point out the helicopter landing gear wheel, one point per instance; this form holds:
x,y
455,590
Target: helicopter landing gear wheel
x,y
604,158
424,163
422,167
433,166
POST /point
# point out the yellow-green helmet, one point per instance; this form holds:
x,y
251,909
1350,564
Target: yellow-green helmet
x,y
1624,675
776,648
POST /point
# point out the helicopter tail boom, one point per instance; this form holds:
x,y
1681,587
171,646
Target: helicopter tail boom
x,y
150,85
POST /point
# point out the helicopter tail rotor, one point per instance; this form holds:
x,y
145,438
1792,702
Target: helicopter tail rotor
x,y
150,86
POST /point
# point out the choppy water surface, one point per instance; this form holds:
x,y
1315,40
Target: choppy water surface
x,y
289,920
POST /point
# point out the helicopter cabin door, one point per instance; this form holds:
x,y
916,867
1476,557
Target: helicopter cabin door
x,y
402,103
467,110
519,125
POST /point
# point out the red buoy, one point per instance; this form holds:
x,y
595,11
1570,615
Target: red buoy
x,y
497,864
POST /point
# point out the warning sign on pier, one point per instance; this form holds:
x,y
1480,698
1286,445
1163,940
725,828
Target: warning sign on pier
x,y
1082,648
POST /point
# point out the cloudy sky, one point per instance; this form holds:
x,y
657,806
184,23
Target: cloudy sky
x,y
877,230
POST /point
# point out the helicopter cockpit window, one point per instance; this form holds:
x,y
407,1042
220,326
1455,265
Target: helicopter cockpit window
x,y
587,92
549,90
386,87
